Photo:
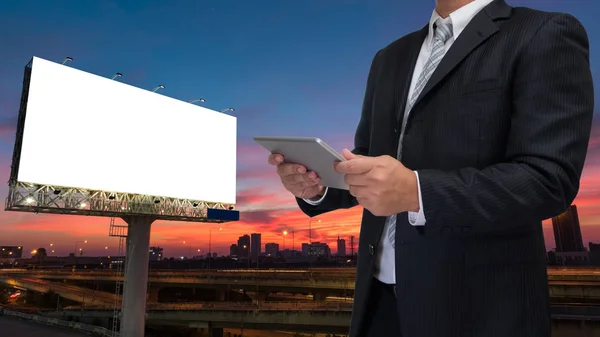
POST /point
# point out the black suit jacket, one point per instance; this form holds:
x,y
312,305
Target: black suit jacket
x,y
499,138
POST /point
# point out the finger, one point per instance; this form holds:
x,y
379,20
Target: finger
x,y
355,180
289,169
275,159
304,185
359,165
296,178
348,154
313,176
359,192
300,186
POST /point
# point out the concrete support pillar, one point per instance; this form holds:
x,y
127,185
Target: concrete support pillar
x,y
135,283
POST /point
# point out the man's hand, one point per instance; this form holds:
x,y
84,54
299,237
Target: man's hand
x,y
381,184
297,179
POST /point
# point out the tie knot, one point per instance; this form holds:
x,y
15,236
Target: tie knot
x,y
443,31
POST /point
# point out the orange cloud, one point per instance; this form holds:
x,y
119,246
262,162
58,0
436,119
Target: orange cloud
x,y
265,207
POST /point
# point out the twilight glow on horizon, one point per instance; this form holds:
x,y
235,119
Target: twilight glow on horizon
x,y
292,68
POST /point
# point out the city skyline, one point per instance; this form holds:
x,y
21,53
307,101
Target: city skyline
x,y
281,66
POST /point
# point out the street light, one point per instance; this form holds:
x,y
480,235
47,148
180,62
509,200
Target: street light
x,y
310,229
67,59
190,250
160,86
116,75
210,241
192,101
76,243
210,247
285,232
228,109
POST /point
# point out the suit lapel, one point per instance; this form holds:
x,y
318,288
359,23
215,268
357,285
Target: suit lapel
x,y
481,27
404,72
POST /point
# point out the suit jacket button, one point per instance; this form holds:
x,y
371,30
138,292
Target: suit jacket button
x,y
371,249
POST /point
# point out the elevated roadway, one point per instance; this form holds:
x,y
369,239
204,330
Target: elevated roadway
x,y
74,293
306,317
566,284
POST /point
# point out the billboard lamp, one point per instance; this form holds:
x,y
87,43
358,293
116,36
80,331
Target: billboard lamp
x,y
197,100
159,87
67,59
116,75
228,109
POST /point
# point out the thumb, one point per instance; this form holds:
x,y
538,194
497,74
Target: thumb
x,y
348,155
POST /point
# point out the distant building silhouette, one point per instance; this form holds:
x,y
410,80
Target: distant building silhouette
x,y
594,254
318,249
156,254
305,249
341,247
271,249
233,250
567,231
255,245
244,246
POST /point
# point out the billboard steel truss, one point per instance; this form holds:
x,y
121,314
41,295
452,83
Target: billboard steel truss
x,y
36,198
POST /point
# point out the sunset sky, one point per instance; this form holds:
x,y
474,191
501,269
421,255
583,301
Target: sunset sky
x,y
295,68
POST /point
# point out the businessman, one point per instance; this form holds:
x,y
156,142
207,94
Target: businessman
x,y
473,130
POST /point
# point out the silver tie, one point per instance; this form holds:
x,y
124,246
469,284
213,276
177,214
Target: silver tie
x,y
443,31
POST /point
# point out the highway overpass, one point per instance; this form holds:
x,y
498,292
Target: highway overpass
x,y
566,284
74,293
577,288
568,320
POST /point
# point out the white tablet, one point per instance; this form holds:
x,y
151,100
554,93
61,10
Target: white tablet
x,y
312,153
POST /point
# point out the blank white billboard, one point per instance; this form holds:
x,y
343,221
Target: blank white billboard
x,y
87,131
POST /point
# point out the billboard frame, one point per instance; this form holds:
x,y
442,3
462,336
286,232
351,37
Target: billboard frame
x,y
41,198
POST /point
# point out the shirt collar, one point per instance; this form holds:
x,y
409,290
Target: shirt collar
x,y
459,19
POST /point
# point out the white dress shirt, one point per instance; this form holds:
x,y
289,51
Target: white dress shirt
x,y
386,267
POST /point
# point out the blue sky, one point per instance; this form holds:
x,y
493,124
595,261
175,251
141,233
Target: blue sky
x,y
287,67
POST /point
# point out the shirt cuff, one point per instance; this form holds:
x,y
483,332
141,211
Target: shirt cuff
x,y
417,218
317,202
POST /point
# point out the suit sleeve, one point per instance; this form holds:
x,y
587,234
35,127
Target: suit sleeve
x,y
551,120
336,198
